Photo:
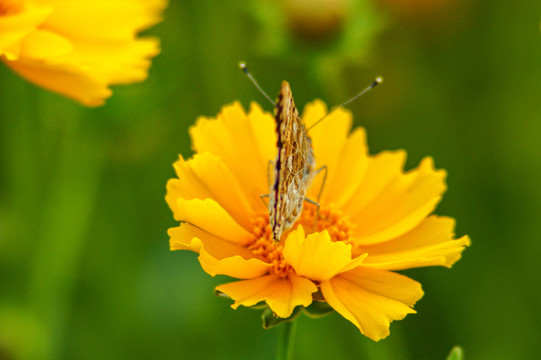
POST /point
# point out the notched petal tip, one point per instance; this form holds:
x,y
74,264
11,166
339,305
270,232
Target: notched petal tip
x,y
431,243
372,299
70,55
401,204
232,135
316,256
235,266
282,295
455,253
180,240
204,177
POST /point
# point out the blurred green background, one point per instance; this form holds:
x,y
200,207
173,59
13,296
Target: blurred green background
x,y
85,268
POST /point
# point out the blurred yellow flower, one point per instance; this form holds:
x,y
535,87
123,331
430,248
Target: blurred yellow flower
x,y
79,48
374,219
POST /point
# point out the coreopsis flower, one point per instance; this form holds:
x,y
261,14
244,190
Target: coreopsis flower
x,y
374,219
78,48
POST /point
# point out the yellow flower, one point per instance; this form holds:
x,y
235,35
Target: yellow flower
x,y
374,219
79,47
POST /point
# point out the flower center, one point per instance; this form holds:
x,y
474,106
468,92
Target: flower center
x,y
336,223
266,249
10,7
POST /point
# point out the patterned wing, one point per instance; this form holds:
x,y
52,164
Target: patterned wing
x,y
294,165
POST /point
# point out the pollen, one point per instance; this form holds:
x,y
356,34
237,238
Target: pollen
x,y
265,248
334,221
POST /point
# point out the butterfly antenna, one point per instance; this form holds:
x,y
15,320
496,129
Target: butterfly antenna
x,y
244,68
376,82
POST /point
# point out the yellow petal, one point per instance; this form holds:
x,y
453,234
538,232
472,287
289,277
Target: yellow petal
x,y
84,46
236,139
206,177
349,171
317,257
401,205
234,266
328,139
115,63
17,26
430,243
188,237
103,20
381,170
41,44
217,256
67,79
281,294
211,217
372,299
263,128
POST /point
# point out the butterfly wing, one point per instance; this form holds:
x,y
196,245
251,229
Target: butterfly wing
x,y
294,165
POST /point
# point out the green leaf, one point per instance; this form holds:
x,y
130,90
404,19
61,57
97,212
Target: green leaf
x,y
318,309
270,320
456,354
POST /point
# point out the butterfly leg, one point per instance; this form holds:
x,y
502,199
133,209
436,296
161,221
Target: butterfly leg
x,y
262,199
317,211
325,170
321,169
270,175
316,203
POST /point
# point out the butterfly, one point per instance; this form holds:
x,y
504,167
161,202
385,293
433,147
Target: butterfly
x,y
294,166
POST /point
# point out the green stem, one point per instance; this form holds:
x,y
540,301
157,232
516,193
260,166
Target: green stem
x,y
286,340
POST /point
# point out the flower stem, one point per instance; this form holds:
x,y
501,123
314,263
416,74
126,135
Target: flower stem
x,y
286,340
